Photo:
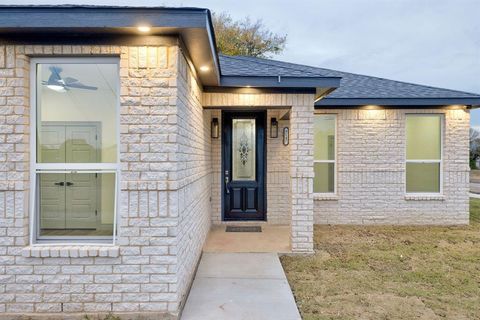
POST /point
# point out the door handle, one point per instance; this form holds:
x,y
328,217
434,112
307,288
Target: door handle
x,y
59,183
69,184
227,180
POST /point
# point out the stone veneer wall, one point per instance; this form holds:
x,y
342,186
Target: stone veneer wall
x,y
299,166
371,171
146,271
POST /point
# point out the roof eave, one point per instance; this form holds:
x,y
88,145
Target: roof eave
x,y
318,85
193,25
336,102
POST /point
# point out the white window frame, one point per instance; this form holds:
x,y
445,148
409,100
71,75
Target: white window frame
x,y
36,168
329,161
440,161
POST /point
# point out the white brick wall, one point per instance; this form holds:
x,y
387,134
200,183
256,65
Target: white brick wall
x,y
371,171
216,178
194,175
171,169
290,172
278,172
142,273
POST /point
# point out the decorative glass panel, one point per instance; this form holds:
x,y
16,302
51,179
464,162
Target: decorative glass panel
x,y
243,149
76,204
324,137
423,177
76,113
324,181
423,137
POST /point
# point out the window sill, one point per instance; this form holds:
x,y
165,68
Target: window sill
x,y
325,197
70,251
425,197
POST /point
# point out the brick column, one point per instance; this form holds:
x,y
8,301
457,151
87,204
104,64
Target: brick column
x,y
301,172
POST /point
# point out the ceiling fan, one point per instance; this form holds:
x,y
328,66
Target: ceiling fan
x,y
57,83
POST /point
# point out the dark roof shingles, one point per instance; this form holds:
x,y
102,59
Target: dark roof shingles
x,y
351,85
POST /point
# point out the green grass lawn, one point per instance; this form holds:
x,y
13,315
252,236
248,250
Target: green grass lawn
x,y
390,272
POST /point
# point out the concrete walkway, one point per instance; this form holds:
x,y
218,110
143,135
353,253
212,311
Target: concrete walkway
x,y
250,286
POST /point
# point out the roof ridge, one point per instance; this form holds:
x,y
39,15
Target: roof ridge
x,y
265,61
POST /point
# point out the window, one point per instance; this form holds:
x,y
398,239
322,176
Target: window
x,y
76,160
324,153
424,153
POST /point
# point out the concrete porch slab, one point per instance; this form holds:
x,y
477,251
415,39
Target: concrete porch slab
x,y
272,239
245,286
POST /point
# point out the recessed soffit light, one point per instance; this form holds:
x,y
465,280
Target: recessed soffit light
x,y
144,29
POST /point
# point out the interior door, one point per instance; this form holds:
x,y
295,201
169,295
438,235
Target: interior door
x,y
81,201
52,195
244,165
52,185
69,201
81,188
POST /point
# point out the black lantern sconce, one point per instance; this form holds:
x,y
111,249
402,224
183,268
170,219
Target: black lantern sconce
x,y
273,128
286,138
215,128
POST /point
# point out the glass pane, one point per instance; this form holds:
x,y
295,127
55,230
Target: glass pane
x,y
324,137
76,113
243,149
423,137
324,180
423,177
76,204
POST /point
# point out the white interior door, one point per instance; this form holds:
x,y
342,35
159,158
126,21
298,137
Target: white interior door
x,y
52,199
81,194
52,185
81,201
69,201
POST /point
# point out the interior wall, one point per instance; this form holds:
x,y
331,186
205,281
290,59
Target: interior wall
x,y
84,105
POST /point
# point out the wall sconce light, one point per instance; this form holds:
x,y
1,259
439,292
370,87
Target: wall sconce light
x,y
273,128
215,128
286,138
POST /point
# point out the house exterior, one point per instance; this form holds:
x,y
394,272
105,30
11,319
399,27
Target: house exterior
x,y
125,136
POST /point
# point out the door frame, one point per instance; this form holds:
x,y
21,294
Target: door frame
x,y
222,150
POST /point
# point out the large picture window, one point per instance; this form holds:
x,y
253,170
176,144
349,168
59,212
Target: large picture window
x,y
424,153
76,160
324,152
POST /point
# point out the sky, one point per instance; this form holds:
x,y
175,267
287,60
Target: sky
x,y
431,42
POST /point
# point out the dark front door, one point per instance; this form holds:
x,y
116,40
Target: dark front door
x,y
244,167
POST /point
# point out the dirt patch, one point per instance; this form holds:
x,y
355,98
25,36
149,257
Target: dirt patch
x,y
376,306
390,272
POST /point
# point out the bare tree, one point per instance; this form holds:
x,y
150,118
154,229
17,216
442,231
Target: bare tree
x,y
246,37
